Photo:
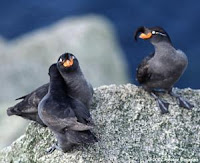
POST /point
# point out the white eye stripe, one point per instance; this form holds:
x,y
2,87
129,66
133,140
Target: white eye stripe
x,y
73,57
158,33
161,33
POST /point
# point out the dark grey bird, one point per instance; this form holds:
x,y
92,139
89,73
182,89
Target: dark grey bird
x,y
163,68
68,118
78,88
27,108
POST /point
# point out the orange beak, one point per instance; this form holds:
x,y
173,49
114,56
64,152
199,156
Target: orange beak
x,y
68,63
145,36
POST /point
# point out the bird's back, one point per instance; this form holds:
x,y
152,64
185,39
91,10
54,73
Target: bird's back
x,y
28,107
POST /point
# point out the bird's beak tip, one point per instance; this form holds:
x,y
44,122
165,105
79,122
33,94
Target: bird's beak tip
x,y
138,31
145,36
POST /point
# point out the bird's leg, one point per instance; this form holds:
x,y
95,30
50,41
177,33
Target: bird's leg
x,y
182,102
53,148
162,104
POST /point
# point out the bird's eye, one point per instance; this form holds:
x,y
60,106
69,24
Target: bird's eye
x,y
158,33
73,57
60,60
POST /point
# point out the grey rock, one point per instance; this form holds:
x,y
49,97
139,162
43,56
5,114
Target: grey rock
x,y
10,127
130,128
25,61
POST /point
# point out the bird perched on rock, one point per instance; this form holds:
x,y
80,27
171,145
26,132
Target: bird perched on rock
x,y
68,118
27,108
78,88
162,69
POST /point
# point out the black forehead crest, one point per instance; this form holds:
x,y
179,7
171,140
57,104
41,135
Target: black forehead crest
x,y
67,55
160,31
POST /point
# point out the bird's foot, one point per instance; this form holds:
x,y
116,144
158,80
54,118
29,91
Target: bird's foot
x,y
182,102
159,91
52,149
185,104
163,106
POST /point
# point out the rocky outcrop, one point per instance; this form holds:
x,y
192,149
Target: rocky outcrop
x,y
130,128
25,61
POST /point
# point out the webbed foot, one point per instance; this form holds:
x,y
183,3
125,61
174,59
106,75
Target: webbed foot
x,y
181,101
53,148
185,104
163,106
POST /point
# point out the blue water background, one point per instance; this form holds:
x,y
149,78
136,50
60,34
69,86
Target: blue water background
x,y
179,18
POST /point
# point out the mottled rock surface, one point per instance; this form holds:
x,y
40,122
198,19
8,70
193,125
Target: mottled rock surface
x,y
129,127
10,127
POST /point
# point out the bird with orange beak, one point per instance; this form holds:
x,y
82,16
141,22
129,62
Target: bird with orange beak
x,y
78,88
69,119
163,68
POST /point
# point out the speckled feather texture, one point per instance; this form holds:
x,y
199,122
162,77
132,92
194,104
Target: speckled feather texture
x,y
130,128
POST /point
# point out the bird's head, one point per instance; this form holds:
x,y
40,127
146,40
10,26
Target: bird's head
x,y
53,71
67,62
154,34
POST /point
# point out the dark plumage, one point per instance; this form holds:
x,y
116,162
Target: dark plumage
x,y
142,71
162,69
27,108
77,85
68,118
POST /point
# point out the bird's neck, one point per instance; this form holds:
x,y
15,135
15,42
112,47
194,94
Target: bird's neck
x,y
164,48
75,81
72,77
57,86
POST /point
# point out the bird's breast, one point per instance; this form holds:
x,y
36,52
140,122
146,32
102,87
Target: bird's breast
x,y
168,65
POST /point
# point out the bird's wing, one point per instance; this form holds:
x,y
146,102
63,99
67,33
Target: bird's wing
x,y
29,104
91,88
68,123
39,92
82,112
23,97
143,73
64,118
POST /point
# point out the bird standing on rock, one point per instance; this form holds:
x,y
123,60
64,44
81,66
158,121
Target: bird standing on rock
x,y
78,88
162,69
28,107
68,118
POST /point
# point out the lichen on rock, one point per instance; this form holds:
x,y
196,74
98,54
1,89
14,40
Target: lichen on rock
x,y
130,128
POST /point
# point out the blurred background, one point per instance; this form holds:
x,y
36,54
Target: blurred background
x,y
100,33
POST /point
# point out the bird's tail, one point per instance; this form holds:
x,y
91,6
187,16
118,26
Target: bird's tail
x,y
12,111
17,109
21,108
